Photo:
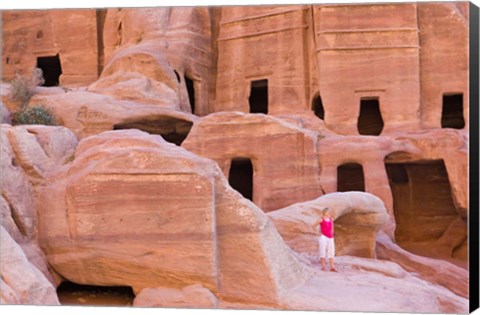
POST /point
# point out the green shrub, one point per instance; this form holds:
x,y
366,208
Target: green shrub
x,y
22,87
37,115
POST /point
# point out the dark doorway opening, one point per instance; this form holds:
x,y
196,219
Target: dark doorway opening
x,y
241,177
370,121
191,93
317,107
423,207
397,173
51,69
171,129
452,111
259,97
70,293
350,177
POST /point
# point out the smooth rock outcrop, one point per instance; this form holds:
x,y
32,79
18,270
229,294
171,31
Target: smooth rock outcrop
x,y
367,285
436,271
141,74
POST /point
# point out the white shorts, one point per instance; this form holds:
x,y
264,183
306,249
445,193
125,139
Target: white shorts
x,y
326,247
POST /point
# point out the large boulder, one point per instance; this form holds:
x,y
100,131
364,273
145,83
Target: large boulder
x,y
141,74
358,217
134,210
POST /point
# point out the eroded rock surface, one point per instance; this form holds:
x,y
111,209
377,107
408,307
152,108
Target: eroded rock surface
x,y
30,154
283,155
193,296
5,113
192,227
122,202
436,271
22,282
372,286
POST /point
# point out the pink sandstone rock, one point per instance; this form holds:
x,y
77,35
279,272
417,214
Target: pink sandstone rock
x,y
380,42
6,117
128,27
444,64
193,296
192,228
141,74
367,285
433,270
22,282
333,54
8,221
10,106
183,35
58,143
445,149
42,33
29,153
30,246
273,277
337,55
16,189
263,43
87,113
269,143
358,216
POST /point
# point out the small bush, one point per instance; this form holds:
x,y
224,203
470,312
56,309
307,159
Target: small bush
x,y
70,158
37,115
22,87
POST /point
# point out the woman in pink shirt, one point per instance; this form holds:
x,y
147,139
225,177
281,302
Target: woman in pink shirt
x,y
326,242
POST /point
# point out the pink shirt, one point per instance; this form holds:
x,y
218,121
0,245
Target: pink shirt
x,y
326,226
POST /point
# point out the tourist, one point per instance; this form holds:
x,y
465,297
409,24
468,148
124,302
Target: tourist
x,y
326,241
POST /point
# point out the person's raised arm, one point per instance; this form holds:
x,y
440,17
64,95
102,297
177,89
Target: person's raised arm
x,y
317,222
